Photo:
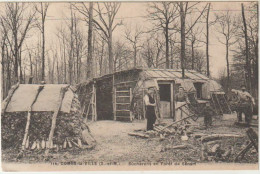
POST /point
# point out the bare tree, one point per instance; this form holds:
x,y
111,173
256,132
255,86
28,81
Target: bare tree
x,y
16,21
228,30
42,10
104,22
195,40
248,64
151,52
3,62
90,31
134,39
163,14
184,9
207,39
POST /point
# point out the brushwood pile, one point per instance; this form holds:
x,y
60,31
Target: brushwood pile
x,y
67,131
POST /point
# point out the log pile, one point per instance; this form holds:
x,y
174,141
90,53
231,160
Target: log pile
x,y
67,133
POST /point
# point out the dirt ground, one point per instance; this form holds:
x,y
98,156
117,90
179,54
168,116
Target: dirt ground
x,y
114,145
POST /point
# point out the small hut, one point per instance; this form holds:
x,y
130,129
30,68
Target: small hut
x,y
119,96
41,117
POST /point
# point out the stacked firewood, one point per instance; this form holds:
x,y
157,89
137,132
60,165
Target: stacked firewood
x,y
67,133
12,127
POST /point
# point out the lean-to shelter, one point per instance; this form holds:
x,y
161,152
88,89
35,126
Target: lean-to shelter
x,y
41,116
119,96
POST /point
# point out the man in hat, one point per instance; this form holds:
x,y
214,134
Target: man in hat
x,y
181,96
150,108
245,104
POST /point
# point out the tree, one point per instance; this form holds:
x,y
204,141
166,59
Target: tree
x,y
134,38
184,9
104,22
194,38
207,39
226,27
16,22
42,10
90,31
163,14
151,52
248,64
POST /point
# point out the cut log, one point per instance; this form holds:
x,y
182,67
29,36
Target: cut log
x,y
156,129
43,144
218,136
213,142
69,143
215,148
65,144
27,143
184,146
8,98
138,135
199,135
79,142
252,135
243,151
75,143
33,145
176,122
55,114
245,124
38,145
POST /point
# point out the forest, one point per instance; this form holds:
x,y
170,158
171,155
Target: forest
x,y
91,39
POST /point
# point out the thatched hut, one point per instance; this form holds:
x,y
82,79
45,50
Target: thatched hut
x,y
119,96
41,116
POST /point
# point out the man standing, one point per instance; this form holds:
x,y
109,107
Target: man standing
x,y
150,108
245,104
181,96
182,100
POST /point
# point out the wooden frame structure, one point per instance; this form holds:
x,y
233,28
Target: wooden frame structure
x,y
123,101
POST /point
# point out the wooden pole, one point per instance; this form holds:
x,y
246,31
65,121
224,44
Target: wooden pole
x,y
92,103
114,96
29,117
9,96
54,117
143,103
131,97
172,102
95,102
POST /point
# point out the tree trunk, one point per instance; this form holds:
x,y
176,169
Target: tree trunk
x,y
15,55
71,48
20,65
31,65
228,78
248,67
43,45
167,45
192,55
135,55
64,60
182,16
110,53
3,70
207,41
171,56
90,29
8,73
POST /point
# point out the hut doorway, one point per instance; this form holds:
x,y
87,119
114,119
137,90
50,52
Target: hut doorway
x,y
104,100
198,87
166,99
